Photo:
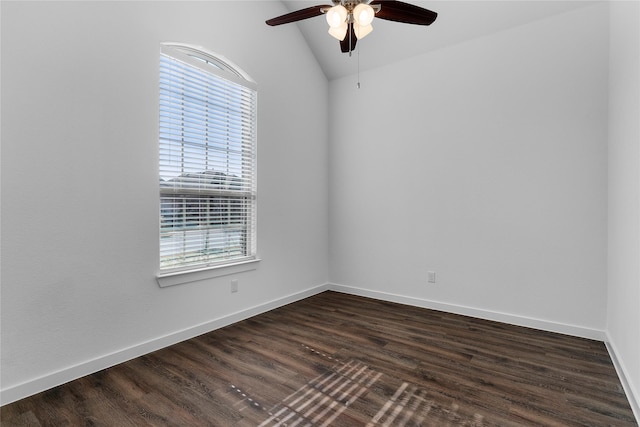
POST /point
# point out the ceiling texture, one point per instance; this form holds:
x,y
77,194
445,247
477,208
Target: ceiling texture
x,y
390,42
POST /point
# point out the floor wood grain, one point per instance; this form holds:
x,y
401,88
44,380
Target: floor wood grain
x,y
342,360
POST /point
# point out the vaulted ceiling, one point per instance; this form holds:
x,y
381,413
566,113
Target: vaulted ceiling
x,y
391,41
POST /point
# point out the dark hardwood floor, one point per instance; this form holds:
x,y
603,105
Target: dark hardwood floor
x,y
341,360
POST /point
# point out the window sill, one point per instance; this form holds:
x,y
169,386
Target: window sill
x,y
182,277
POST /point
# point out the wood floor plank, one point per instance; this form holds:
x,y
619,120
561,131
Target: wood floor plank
x,y
342,360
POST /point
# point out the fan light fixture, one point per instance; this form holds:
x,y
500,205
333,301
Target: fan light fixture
x,y
339,18
350,20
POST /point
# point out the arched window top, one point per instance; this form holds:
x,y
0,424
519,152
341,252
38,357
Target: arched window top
x,y
209,61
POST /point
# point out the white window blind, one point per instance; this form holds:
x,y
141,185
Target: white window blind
x,y
207,162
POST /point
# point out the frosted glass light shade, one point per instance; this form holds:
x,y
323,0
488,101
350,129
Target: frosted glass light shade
x,y
336,16
363,15
339,32
362,31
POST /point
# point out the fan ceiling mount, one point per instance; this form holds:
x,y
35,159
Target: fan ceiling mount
x,y
350,20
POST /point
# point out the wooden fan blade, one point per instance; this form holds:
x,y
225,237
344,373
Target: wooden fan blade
x,y
344,44
393,10
298,15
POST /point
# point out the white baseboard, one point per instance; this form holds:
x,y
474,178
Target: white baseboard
x,y
512,319
37,385
632,393
54,379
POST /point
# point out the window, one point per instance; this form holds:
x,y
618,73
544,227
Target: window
x,y
207,161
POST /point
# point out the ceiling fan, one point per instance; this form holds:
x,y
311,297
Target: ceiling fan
x,y
350,20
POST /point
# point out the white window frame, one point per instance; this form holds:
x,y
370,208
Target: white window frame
x,y
179,190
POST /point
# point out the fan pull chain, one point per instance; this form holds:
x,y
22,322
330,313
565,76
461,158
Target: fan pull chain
x,y
358,84
349,29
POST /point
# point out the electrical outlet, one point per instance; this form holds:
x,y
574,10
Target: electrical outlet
x,y
431,276
234,285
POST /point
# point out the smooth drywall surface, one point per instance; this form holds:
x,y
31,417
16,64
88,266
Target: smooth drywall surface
x,y
485,162
80,175
623,313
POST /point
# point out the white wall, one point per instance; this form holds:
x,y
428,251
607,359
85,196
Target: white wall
x,y
623,311
485,162
79,180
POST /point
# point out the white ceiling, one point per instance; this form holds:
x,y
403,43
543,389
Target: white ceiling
x,y
392,41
